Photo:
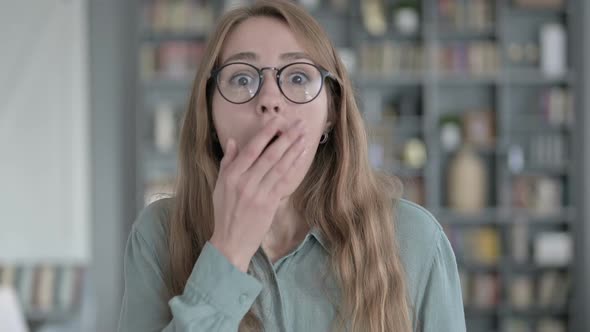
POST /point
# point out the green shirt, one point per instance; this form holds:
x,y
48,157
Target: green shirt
x,y
288,295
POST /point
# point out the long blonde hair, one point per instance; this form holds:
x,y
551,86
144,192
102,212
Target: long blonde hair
x,y
350,203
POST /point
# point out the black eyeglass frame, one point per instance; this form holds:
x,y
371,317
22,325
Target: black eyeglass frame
x,y
325,73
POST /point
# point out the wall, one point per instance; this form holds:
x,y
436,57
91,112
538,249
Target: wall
x,y
112,72
44,132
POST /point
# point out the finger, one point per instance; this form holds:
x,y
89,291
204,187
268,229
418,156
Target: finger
x,y
278,157
252,151
277,183
229,154
273,154
286,165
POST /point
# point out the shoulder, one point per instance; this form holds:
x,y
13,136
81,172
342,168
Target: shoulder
x,y
420,238
417,230
152,224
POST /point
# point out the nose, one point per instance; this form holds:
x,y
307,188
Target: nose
x,y
269,98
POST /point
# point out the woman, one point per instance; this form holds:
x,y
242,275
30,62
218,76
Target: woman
x,y
278,222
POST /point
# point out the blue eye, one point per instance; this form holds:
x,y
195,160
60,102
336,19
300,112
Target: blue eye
x,y
298,79
241,80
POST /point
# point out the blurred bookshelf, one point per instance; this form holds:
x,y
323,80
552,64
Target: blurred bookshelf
x,y
467,101
49,293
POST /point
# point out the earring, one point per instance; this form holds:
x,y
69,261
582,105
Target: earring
x,y
324,138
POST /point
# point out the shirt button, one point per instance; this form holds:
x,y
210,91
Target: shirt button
x,y
243,298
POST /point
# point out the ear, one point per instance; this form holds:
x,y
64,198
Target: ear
x,y
328,126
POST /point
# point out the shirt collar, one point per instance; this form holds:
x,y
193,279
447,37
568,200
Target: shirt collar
x,y
317,234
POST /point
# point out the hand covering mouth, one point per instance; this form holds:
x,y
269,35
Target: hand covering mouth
x,y
273,139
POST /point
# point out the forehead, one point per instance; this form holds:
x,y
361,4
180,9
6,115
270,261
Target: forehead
x,y
266,37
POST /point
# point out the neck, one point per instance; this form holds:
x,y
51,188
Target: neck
x,y
286,232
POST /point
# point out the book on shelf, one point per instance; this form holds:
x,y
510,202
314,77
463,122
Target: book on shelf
x,y
519,236
557,106
551,325
485,291
178,16
539,194
387,58
515,324
553,289
45,288
521,292
475,58
457,15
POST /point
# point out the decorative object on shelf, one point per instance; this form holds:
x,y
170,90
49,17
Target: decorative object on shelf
x,y
553,248
406,17
553,50
373,15
450,133
468,185
516,159
478,128
484,246
414,153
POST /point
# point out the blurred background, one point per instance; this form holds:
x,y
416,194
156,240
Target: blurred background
x,y
479,106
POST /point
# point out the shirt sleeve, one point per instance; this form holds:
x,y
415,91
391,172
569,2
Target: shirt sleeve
x,y
442,305
216,297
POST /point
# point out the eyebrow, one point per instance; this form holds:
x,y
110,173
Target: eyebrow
x,y
241,56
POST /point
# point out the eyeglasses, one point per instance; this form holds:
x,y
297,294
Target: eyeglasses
x,y
299,82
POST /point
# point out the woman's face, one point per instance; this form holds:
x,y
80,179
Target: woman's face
x,y
267,42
